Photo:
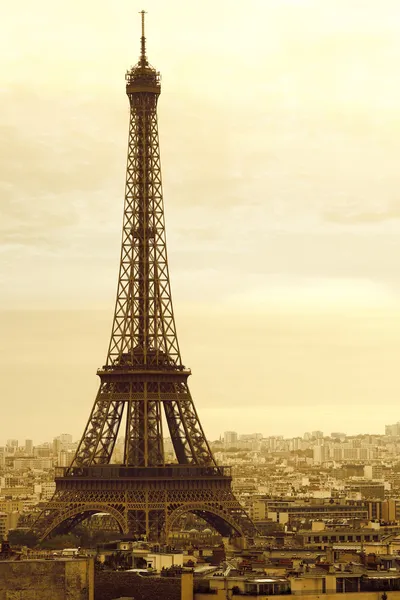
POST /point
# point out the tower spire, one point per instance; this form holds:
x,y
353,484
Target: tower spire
x,y
143,59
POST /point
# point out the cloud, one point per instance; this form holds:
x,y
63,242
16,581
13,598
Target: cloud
x,y
354,218
57,172
257,155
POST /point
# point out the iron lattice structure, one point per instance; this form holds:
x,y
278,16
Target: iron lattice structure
x,y
144,377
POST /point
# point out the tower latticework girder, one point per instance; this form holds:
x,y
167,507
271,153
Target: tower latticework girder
x,y
144,379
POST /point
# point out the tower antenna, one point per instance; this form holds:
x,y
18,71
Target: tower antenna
x,y
143,59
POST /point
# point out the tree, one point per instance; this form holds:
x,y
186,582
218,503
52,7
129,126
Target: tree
x,y
22,537
58,542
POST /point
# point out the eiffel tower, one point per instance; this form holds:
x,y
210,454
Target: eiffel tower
x,y
144,378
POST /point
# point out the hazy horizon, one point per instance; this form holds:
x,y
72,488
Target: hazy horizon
x,y
63,348
279,137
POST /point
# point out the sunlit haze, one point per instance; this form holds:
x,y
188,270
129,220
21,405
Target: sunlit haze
x,y
280,136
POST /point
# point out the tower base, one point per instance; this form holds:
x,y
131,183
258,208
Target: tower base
x,y
144,501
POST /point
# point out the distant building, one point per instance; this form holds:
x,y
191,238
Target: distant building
x,y
17,491
296,444
393,430
230,439
320,454
66,438
283,511
248,437
64,458
257,510
3,525
12,446
28,446
42,451
9,506
56,446
47,490
168,446
373,471
368,489
384,510
270,443
28,462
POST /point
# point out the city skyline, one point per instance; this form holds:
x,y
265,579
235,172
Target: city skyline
x,y
305,435
283,233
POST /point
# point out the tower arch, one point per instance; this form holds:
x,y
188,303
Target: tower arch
x,y
218,518
68,519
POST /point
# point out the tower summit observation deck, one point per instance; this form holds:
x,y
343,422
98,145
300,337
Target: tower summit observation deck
x,y
144,379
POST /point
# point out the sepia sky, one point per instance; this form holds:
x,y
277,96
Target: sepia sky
x,y
280,140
